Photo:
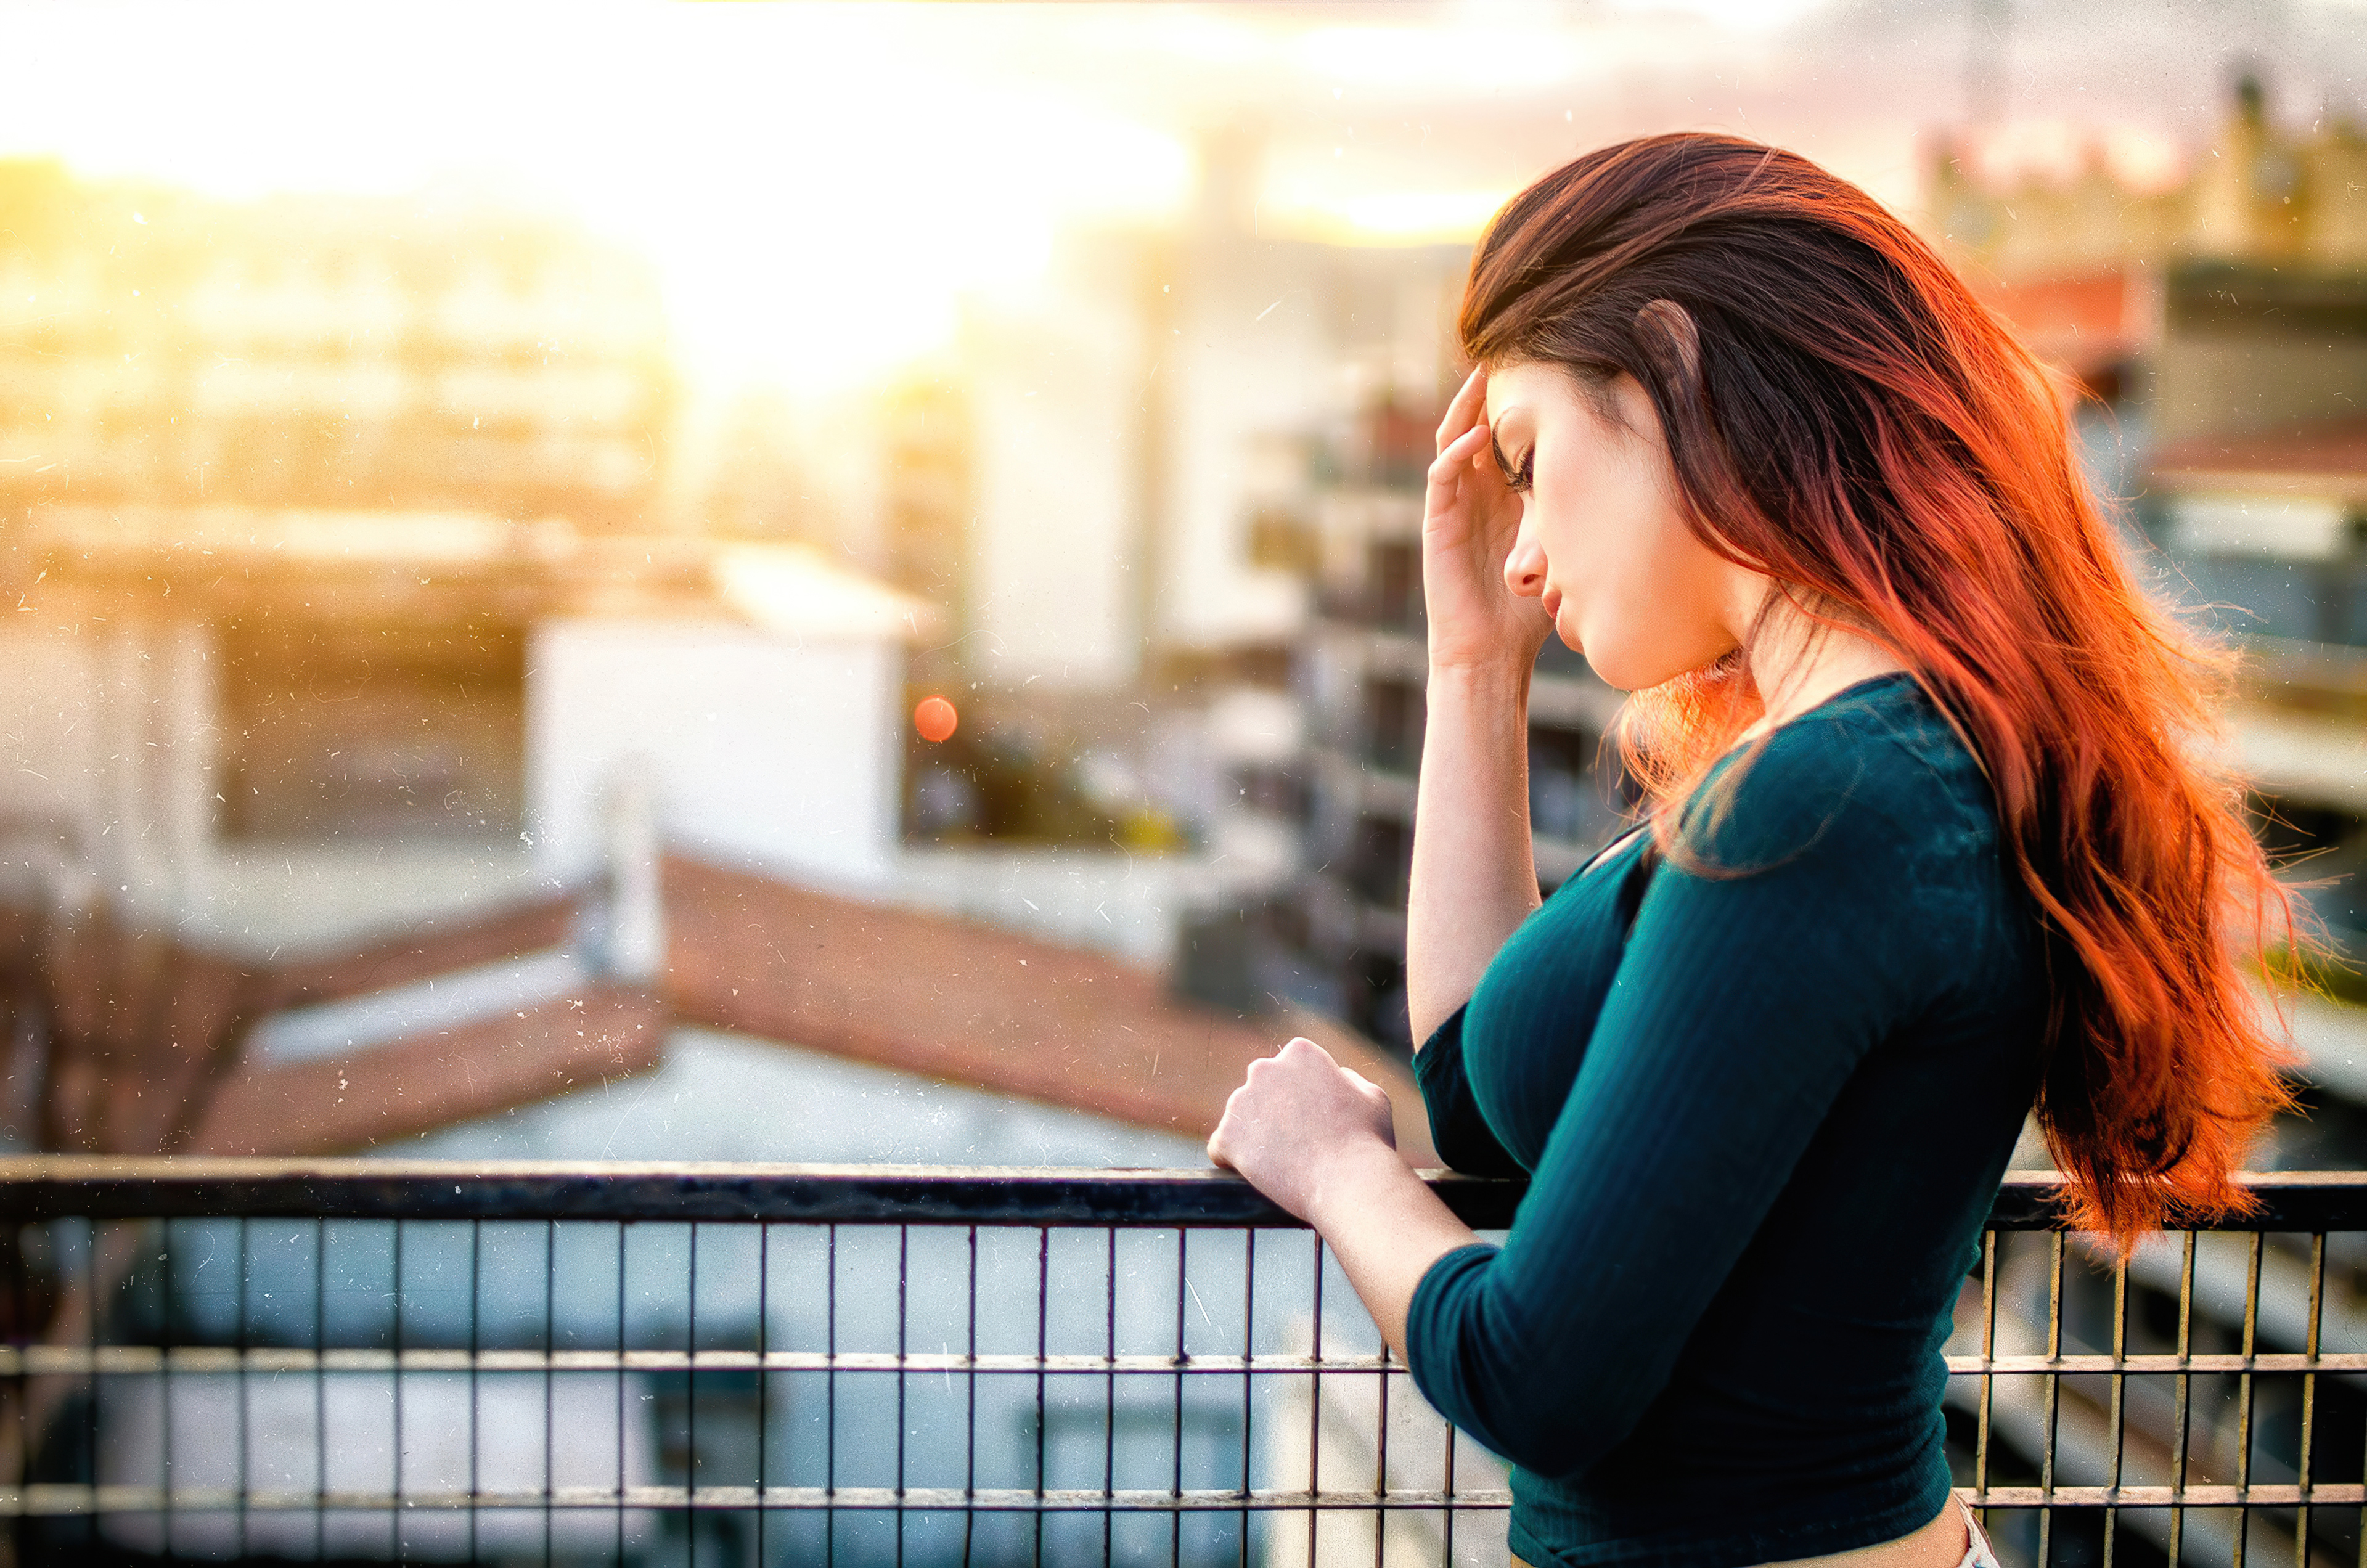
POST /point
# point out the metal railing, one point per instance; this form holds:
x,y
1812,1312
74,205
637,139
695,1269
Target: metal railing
x,y
359,1361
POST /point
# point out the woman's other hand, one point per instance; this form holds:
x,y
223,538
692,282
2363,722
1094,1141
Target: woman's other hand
x,y
1470,518
1300,1123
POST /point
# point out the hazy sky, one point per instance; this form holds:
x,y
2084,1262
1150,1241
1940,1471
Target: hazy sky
x,y
818,183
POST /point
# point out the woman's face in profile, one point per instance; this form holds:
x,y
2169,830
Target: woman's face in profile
x,y
1603,539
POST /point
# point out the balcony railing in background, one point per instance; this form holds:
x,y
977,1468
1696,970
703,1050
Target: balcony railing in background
x,y
363,1360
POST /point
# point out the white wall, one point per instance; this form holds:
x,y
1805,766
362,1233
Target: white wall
x,y
1250,354
106,751
763,750
47,681
1057,398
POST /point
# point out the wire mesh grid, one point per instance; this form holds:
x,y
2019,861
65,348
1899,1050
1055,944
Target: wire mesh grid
x,y
351,1363
2200,1403
1130,1378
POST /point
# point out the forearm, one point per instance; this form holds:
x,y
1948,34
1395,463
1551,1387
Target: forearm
x,y
1473,880
1386,1227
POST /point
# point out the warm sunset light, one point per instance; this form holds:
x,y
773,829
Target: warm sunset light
x,y
741,754
815,185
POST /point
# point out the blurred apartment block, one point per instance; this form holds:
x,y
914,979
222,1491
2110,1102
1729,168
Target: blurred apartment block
x,y
2215,310
1171,498
2217,313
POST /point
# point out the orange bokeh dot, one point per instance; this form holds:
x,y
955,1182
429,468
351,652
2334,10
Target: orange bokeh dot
x,y
935,718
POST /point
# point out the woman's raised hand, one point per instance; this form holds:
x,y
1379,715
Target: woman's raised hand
x,y
1470,519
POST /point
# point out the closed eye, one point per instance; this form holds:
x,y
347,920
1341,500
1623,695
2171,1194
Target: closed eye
x,y
1515,479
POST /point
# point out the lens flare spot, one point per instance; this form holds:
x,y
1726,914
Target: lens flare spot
x,y
935,718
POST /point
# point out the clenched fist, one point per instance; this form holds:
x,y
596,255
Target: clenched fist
x,y
1298,1122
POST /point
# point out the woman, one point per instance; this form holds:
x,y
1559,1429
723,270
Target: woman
x,y
1930,839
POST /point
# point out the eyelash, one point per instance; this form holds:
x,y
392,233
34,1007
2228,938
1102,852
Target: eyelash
x,y
1521,478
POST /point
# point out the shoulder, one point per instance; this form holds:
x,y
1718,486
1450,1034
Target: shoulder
x,y
1876,776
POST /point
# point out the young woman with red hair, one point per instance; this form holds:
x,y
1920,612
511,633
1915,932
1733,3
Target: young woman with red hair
x,y
1931,840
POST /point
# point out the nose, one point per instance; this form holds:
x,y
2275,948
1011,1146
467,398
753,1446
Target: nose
x,y
1525,569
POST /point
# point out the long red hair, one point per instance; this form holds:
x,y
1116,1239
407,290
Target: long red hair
x,y
1844,415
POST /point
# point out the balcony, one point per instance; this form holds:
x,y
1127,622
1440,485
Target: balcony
x,y
357,1360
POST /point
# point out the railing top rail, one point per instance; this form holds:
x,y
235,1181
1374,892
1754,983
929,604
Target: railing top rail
x,y
35,1187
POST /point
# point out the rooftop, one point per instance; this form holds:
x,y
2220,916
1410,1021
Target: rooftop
x,y
2322,458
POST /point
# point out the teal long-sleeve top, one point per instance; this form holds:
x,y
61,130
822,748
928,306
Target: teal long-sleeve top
x,y
1764,1101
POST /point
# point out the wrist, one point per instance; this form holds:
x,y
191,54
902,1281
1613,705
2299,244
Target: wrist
x,y
1355,1175
1494,675
1496,694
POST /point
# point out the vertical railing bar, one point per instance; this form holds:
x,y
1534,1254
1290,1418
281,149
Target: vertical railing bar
x,y
829,1401
245,1423
2184,1403
1182,1287
165,1385
764,1377
1381,1461
1446,1552
2309,1395
476,1349
1989,1359
550,1350
25,1434
2119,1402
19,1388
1043,1346
2258,1242
23,1289
690,1411
969,1419
1249,1359
394,1530
903,1315
90,1434
1315,1405
621,1375
1109,1404
2055,1260
2363,1511
320,1390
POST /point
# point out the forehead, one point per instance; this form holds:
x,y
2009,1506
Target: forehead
x,y
1525,384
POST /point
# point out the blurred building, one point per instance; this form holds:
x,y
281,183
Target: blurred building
x,y
1123,483
264,728
2215,312
159,347
1185,478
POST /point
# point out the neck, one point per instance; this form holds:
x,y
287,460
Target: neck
x,y
1798,663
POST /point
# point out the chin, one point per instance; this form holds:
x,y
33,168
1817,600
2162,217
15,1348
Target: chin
x,y
1620,675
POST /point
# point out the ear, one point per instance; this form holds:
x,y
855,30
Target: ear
x,y
1665,328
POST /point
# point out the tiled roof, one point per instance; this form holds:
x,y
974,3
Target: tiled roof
x,y
970,1004
2326,460
2083,322
149,1055
334,1104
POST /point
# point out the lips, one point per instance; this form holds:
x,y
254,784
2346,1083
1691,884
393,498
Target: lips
x,y
1552,600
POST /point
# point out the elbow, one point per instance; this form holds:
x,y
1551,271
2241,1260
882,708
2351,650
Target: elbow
x,y
1546,1411
1559,1438
1472,1155
1551,1396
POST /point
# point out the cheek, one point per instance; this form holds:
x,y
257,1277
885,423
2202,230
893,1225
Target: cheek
x,y
1643,597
